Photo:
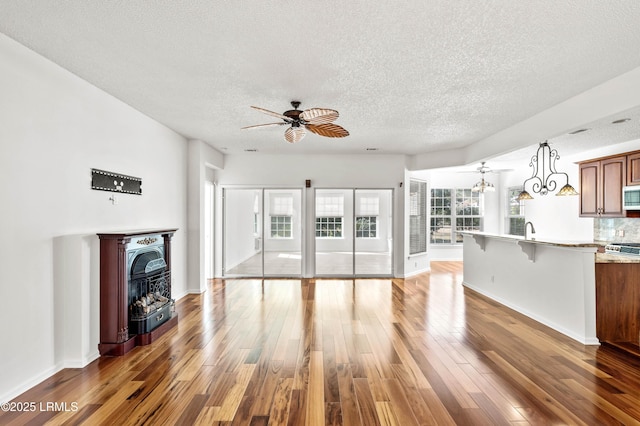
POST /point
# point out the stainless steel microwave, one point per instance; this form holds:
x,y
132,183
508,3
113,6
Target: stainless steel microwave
x,y
631,197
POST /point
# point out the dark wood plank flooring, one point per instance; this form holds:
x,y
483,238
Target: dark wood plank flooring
x,y
356,352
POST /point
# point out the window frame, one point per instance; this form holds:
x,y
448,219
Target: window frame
x,y
509,196
333,223
371,228
279,227
455,203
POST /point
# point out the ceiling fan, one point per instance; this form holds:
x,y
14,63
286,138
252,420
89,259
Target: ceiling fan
x,y
316,120
483,185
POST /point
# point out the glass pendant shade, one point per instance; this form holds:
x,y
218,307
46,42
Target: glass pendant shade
x,y
524,195
567,190
545,177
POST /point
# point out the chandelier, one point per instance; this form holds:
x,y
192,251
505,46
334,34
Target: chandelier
x,y
545,175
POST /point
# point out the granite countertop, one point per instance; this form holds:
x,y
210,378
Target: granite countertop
x,y
544,241
600,256
616,258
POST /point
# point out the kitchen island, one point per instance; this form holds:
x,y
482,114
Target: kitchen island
x,y
552,282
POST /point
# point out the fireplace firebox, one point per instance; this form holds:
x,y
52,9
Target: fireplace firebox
x,y
135,289
149,289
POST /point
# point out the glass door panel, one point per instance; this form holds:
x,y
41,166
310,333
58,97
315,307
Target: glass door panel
x,y
282,236
373,232
242,209
334,232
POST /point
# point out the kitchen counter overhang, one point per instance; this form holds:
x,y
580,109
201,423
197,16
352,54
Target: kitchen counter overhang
x,y
529,246
552,282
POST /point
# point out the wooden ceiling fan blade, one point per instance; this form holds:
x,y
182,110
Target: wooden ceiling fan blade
x,y
319,115
273,114
294,134
258,126
329,130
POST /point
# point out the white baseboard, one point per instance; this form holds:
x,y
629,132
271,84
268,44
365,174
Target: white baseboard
x,y
579,338
29,383
83,362
418,272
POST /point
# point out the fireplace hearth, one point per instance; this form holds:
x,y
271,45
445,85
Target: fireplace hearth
x,y
135,289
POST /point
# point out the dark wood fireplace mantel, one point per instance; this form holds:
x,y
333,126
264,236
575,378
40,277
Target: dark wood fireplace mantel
x,y
115,339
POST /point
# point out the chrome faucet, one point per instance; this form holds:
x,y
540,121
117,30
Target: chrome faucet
x,y
533,230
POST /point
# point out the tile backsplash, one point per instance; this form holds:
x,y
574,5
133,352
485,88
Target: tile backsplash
x,y
609,230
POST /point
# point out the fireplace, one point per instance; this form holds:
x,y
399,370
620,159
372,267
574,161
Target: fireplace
x,y
135,289
149,286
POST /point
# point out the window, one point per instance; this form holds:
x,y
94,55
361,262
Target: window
x,y
417,217
367,212
452,211
281,227
329,214
441,216
366,226
281,212
329,227
515,212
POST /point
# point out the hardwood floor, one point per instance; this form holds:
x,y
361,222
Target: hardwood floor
x,y
292,352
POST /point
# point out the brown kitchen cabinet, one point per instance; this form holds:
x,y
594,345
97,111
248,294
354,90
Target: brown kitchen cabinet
x,y
618,303
633,169
601,183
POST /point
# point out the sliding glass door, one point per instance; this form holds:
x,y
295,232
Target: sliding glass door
x,y
373,232
282,234
353,232
334,232
242,232
262,232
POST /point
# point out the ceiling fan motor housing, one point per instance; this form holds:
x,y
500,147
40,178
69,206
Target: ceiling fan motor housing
x,y
294,114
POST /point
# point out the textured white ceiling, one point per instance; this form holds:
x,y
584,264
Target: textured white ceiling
x,y
407,77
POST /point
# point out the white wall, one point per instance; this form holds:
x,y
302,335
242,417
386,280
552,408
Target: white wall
x,y
55,127
324,171
201,159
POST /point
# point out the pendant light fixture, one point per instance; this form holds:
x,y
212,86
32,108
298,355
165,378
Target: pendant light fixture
x,y
544,178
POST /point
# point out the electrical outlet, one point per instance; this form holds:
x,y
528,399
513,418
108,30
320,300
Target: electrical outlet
x,y
620,232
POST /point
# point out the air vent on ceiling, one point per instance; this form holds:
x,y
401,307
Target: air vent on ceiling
x,y
575,132
622,120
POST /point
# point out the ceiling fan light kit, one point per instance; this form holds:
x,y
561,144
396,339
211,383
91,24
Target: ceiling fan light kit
x,y
316,120
483,186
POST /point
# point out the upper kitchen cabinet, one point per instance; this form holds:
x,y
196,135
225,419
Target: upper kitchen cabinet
x,y
633,169
601,183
